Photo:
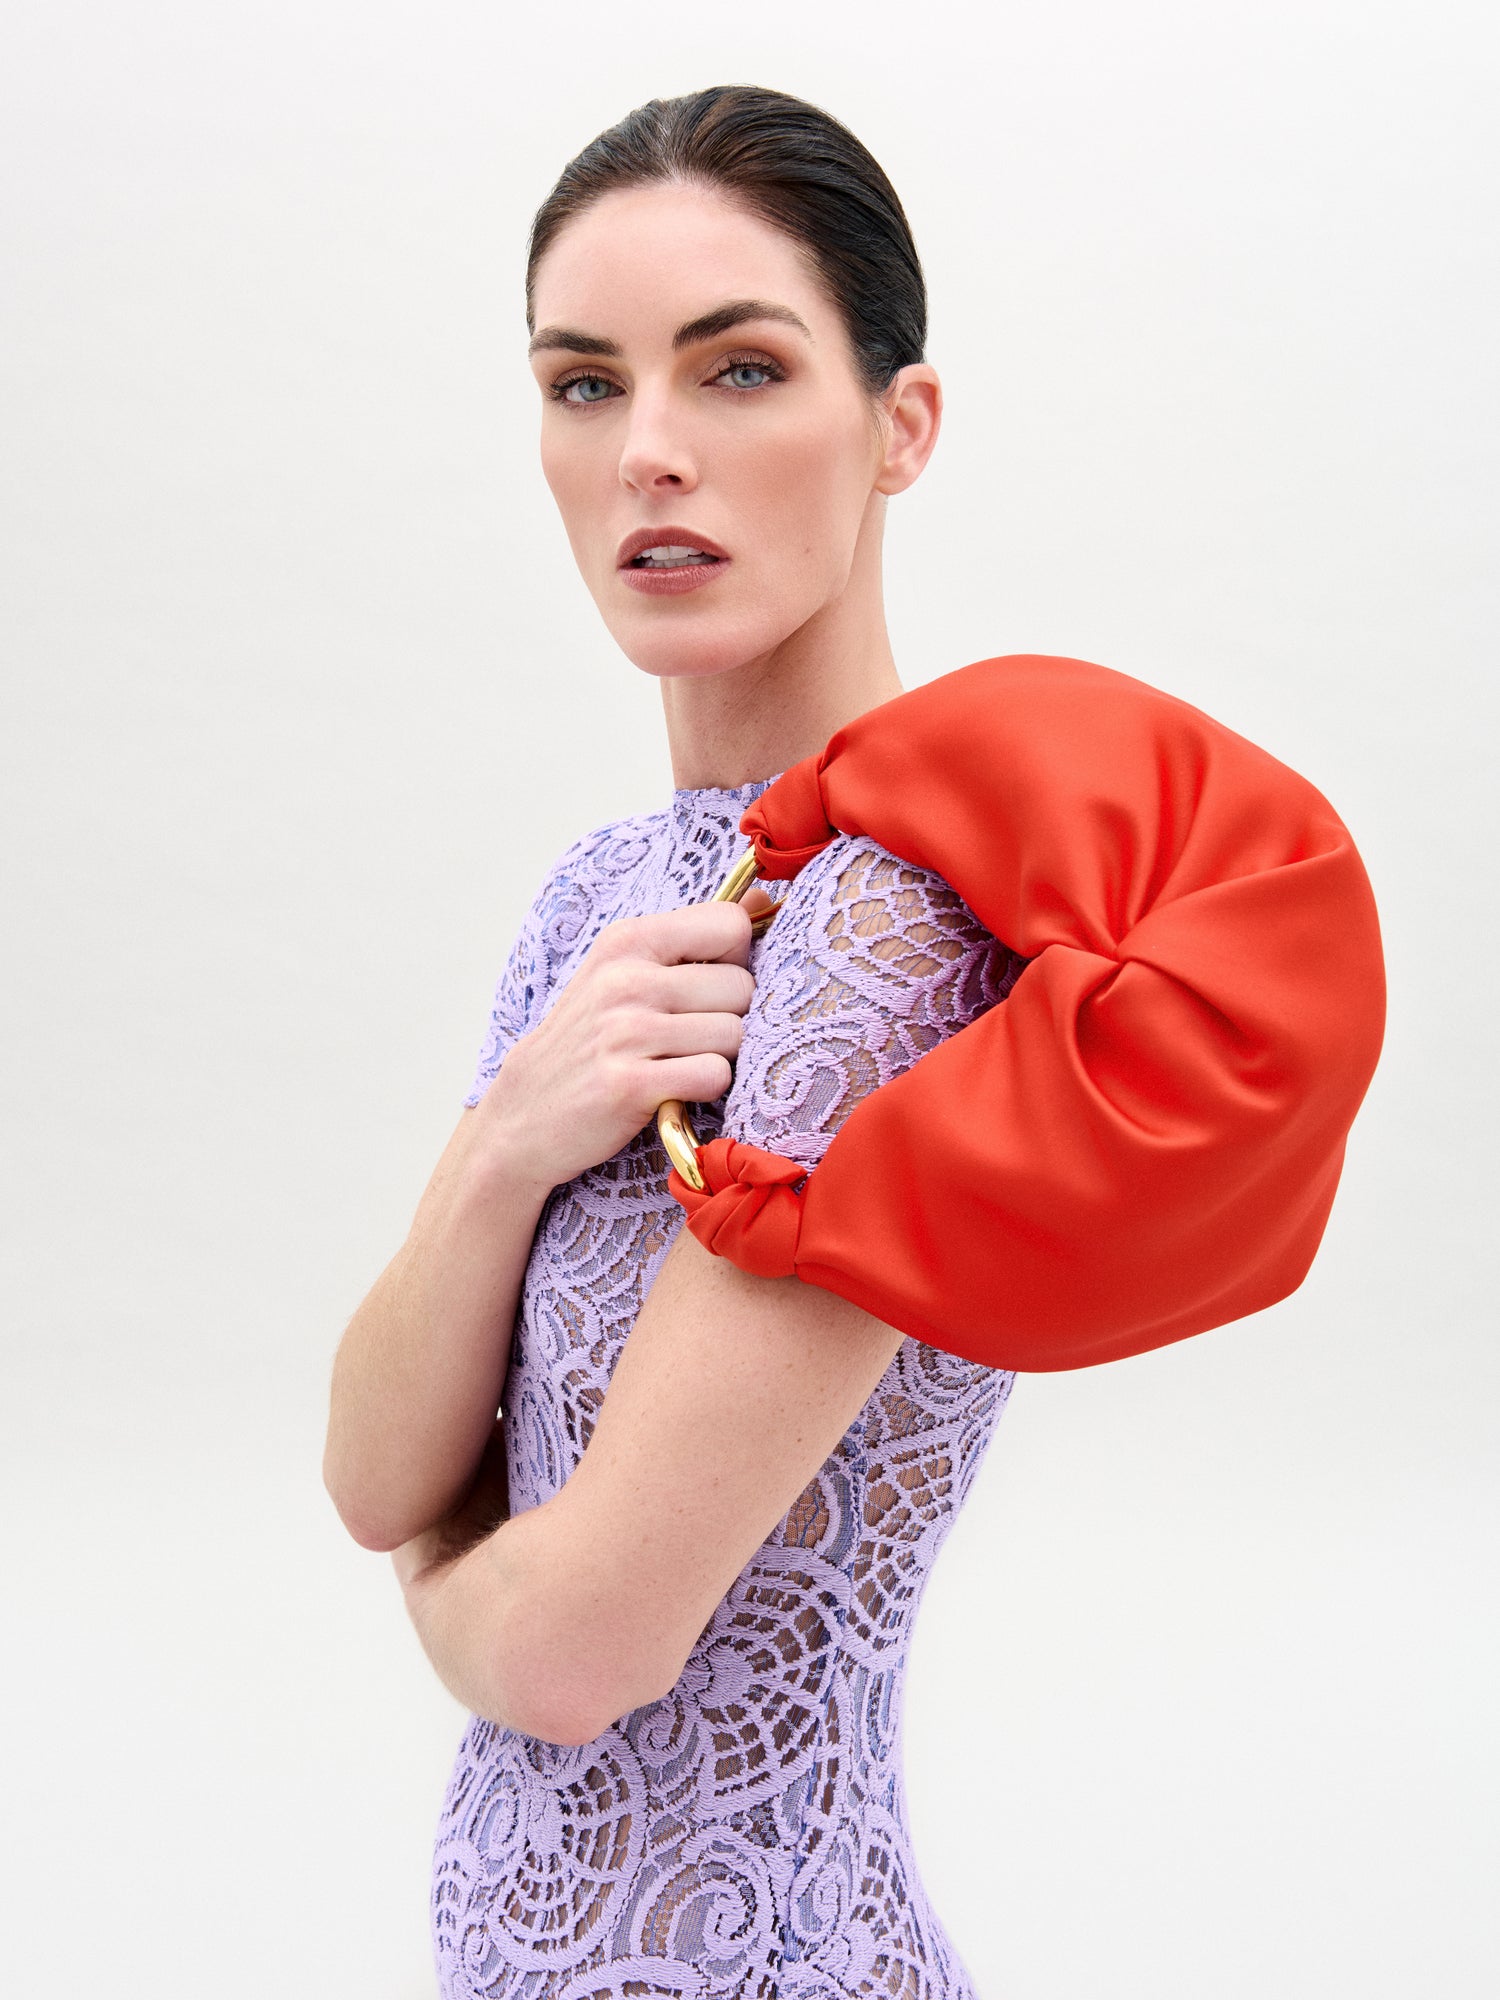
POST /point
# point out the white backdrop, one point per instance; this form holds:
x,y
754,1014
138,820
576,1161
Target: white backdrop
x,y
302,693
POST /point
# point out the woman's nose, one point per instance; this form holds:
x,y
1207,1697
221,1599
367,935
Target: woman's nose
x,y
656,455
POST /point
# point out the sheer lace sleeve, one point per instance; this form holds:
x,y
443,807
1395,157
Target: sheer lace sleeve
x,y
869,963
547,931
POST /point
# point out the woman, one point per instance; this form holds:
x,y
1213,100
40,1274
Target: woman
x,y
684,1648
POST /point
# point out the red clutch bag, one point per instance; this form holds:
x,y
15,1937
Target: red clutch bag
x,y
1142,1141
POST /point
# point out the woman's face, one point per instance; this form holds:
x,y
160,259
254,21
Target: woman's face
x,y
664,423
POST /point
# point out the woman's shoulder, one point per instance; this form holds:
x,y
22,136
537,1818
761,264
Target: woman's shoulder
x,y
594,879
869,962
605,854
883,925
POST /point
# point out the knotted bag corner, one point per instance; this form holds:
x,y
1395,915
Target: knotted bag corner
x,y
751,1209
787,824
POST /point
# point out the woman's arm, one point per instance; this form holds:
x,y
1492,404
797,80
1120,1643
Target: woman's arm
x,y
728,1396
653,1010
420,1369
730,1390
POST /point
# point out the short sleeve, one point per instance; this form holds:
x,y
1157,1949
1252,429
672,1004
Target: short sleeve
x,y
524,985
869,963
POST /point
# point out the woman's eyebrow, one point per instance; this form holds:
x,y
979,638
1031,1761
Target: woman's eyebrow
x,y
708,326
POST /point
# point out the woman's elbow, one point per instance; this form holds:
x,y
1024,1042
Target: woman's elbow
x,y
567,1692
555,1714
371,1527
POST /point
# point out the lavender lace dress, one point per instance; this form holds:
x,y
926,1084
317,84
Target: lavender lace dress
x,y
746,1836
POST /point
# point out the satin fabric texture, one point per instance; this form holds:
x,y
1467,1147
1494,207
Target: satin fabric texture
x,y
1143,1140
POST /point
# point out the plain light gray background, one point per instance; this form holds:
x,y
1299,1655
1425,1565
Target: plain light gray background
x,y
302,693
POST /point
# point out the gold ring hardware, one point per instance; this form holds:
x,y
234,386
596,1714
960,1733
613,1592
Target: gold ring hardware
x,y
672,1122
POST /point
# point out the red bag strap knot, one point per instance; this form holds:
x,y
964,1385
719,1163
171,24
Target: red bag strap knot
x,y
752,1210
787,823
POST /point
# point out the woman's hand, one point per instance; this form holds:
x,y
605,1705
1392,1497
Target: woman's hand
x,y
653,1011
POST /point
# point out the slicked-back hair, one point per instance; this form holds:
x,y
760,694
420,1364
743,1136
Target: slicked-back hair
x,y
792,165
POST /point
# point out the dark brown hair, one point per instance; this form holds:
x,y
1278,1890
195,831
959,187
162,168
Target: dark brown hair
x,y
795,167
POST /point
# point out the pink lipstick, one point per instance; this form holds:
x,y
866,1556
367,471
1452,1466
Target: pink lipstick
x,y
669,561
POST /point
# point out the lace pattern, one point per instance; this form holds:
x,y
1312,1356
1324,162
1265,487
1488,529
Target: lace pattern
x,y
747,1835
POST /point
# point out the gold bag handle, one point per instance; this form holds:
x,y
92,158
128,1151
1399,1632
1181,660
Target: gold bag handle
x,y
672,1122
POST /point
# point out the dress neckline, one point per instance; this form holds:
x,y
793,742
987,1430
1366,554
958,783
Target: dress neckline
x,y
694,803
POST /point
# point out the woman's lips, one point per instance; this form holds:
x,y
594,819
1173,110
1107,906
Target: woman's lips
x,y
674,582
665,535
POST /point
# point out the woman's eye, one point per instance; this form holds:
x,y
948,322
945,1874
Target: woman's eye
x,y
767,371
587,385
742,374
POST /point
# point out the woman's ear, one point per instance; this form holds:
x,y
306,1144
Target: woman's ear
x,y
913,406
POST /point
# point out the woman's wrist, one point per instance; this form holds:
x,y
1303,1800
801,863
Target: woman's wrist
x,y
504,1161
488,1172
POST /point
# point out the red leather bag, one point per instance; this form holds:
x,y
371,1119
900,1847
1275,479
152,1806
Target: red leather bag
x,y
1142,1141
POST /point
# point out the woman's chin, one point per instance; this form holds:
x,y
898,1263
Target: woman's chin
x,y
693,649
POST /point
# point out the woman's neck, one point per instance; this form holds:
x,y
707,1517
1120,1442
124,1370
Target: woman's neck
x,y
759,719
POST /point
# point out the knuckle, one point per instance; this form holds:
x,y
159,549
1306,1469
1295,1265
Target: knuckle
x,y
612,1034
634,1026
619,984
626,1081
619,938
